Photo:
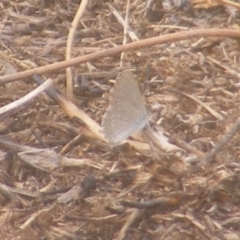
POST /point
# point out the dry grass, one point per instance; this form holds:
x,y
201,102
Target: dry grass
x,y
58,177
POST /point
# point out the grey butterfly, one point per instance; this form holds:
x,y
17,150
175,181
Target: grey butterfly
x,y
126,112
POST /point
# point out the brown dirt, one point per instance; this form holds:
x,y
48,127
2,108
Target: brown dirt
x,y
120,193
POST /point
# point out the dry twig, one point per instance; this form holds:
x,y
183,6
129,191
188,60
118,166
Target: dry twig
x,y
128,47
72,30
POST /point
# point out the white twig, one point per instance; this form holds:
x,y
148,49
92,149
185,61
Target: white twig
x,y
71,34
125,32
20,102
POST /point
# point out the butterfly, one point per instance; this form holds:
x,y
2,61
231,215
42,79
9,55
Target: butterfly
x,y
126,112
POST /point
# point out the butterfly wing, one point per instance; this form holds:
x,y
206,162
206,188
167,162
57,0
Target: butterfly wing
x,y
126,112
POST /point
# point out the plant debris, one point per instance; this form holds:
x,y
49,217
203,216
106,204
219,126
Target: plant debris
x,y
179,179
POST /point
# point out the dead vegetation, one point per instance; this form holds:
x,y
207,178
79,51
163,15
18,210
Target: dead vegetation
x,y
59,179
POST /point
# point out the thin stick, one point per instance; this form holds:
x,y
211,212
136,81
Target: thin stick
x,y
16,105
125,33
124,24
134,216
231,3
168,38
71,33
223,141
232,72
208,108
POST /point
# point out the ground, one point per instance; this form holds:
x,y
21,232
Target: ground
x,y
71,184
